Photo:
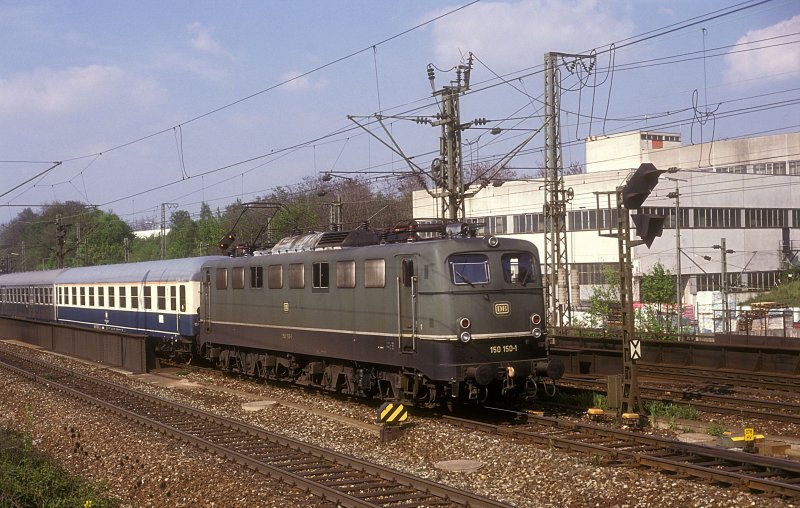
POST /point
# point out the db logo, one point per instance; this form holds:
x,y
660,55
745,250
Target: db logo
x,y
502,309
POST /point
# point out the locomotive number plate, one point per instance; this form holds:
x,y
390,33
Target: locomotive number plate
x,y
502,308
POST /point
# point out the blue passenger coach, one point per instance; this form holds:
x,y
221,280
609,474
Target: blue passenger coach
x,y
155,298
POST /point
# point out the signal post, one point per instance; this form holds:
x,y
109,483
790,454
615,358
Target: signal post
x,y
630,196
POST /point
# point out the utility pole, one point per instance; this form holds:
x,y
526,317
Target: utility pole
x,y
678,286
724,283
61,235
164,208
336,214
449,172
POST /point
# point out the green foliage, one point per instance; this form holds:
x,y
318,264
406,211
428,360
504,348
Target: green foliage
x,y
657,408
29,479
787,294
658,286
604,300
716,429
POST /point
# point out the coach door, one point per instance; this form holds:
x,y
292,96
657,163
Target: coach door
x,y
205,299
407,306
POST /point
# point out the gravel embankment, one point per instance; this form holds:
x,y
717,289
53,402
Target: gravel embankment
x,y
148,469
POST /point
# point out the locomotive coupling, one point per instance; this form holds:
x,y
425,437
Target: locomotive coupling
x,y
552,368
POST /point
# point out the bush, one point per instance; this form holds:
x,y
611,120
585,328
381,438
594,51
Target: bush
x,y
30,479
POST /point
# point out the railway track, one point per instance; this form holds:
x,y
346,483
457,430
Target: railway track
x,y
761,381
337,478
757,473
707,399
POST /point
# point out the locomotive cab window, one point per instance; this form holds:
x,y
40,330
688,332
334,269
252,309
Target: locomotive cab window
x,y
469,269
408,272
518,268
222,278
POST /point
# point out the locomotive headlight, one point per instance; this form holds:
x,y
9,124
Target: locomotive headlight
x,y
493,241
536,319
537,332
464,323
465,337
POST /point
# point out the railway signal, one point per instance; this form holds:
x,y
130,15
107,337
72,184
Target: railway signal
x,y
634,193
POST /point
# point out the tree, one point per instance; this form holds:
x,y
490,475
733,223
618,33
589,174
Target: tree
x,y
658,289
604,302
182,236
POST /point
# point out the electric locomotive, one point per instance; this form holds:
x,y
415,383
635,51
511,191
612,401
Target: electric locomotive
x,y
387,315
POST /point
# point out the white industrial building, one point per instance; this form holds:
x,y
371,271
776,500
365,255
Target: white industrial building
x,y
745,191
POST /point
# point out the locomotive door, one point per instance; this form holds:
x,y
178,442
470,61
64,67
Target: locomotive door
x,y
205,300
407,306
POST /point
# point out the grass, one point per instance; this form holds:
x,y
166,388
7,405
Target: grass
x,y
672,411
30,479
784,294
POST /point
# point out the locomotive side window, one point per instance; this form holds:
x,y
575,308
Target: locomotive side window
x,y
256,277
518,268
122,297
275,276
222,278
345,274
375,273
297,276
161,297
469,269
320,275
134,297
408,272
238,277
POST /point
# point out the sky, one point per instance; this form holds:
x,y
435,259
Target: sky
x,y
128,105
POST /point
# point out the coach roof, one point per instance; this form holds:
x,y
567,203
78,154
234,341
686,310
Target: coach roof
x,y
168,270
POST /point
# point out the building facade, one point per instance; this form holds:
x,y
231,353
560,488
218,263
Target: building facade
x,y
743,194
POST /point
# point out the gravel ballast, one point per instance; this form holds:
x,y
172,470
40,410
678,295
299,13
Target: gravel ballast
x,y
145,468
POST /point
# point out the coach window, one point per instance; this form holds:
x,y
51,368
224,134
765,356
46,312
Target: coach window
x,y
320,274
101,301
183,298
134,297
345,274
173,298
111,296
74,295
161,294
375,273
256,277
148,297
91,297
83,296
469,269
238,277
123,300
275,276
222,278
518,268
297,276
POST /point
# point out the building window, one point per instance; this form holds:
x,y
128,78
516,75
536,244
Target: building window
x,y
345,274
529,223
495,225
718,218
275,276
594,273
375,273
320,274
297,276
766,217
256,277
794,168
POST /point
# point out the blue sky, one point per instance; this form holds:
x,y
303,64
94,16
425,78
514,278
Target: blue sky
x,y
149,102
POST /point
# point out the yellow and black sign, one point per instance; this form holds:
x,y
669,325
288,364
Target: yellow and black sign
x,y
390,412
749,434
